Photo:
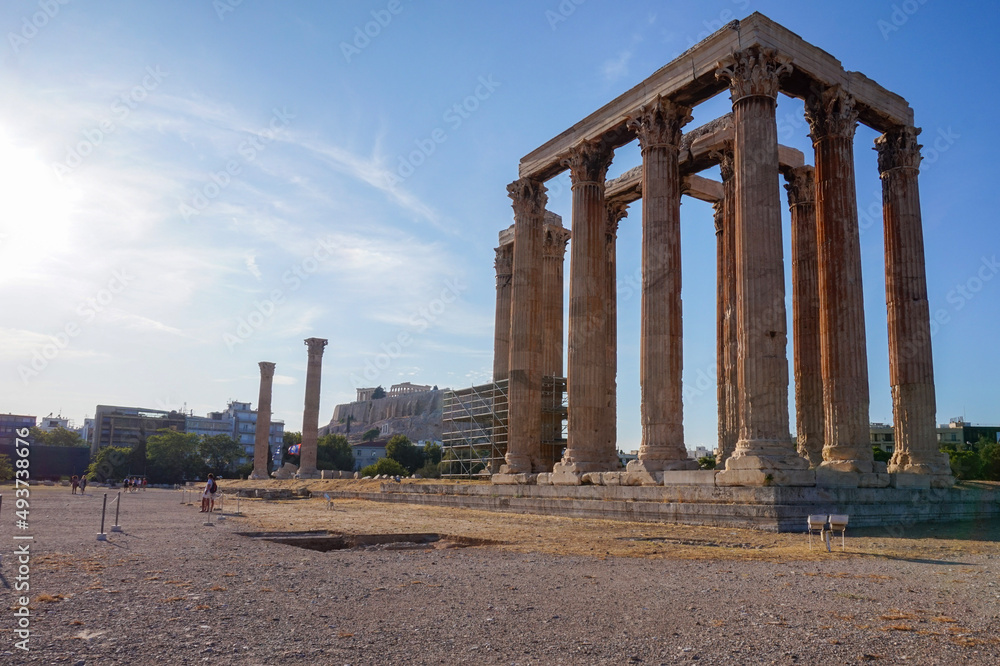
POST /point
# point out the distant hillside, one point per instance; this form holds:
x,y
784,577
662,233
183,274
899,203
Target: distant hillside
x,y
416,415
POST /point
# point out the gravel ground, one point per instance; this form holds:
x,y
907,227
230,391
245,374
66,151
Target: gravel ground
x,y
171,588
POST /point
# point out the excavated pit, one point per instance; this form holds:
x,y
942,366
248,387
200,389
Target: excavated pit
x,y
324,541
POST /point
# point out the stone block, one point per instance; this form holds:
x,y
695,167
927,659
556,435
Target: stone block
x,y
942,480
903,480
641,477
702,477
544,479
561,477
827,477
591,479
759,477
611,478
513,479
874,480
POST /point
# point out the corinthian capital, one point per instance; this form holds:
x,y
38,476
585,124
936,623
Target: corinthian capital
x,y
753,72
831,112
801,185
504,263
616,211
266,369
588,162
528,197
659,123
316,346
727,167
898,149
554,242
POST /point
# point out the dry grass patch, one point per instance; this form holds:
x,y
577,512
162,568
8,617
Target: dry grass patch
x,y
49,598
217,588
897,615
75,622
897,627
945,618
171,600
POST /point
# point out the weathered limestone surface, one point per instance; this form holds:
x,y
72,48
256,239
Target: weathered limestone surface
x,y
661,348
833,118
525,371
310,415
262,434
809,417
504,265
586,376
554,252
911,365
726,344
764,452
616,211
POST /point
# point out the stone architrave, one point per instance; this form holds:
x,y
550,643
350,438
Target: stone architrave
x,y
725,229
809,418
310,415
586,377
262,432
554,253
504,265
616,211
524,392
847,447
911,364
764,452
661,345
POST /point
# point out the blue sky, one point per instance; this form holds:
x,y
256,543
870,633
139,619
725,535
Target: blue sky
x,y
188,188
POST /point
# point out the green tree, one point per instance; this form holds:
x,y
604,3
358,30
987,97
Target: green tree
x,y
109,464
334,452
989,460
220,452
379,392
290,438
6,469
402,450
432,453
370,435
384,466
430,470
880,454
965,464
173,456
57,437
706,462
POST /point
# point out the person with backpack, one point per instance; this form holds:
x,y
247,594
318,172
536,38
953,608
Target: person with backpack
x,y
208,497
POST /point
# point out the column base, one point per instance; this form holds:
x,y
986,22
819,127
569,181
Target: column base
x,y
782,460
503,479
857,465
516,465
307,474
257,476
933,468
286,471
650,472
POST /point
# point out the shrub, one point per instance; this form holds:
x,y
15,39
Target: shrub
x,y
880,455
706,462
384,466
430,471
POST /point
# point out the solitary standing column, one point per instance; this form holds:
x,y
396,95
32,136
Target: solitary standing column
x,y
725,230
809,417
661,343
847,445
554,252
262,433
586,377
501,332
524,393
764,452
310,416
616,211
911,364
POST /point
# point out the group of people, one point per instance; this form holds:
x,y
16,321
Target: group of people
x,y
79,483
134,484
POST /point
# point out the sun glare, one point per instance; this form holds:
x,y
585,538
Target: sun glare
x,y
36,210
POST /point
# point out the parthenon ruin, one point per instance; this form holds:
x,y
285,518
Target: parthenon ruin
x,y
754,59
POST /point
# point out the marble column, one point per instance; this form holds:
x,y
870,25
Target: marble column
x,y
616,211
911,364
262,431
808,368
524,390
847,446
586,376
764,452
501,331
725,229
310,415
661,345
554,253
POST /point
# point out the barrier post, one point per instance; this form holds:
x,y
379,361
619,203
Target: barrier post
x,y
118,502
104,507
222,498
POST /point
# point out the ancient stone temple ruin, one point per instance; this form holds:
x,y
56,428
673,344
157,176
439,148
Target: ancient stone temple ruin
x,y
754,59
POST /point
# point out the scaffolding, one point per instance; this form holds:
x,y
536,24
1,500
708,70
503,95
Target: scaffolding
x,y
475,428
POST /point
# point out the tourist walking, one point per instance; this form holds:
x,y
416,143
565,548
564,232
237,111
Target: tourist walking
x,y
208,496
76,483
83,485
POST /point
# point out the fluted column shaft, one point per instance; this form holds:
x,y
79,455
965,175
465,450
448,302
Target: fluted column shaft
x,y
808,370
501,330
310,415
616,211
262,431
847,443
911,363
524,411
725,229
661,344
764,443
554,252
586,376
